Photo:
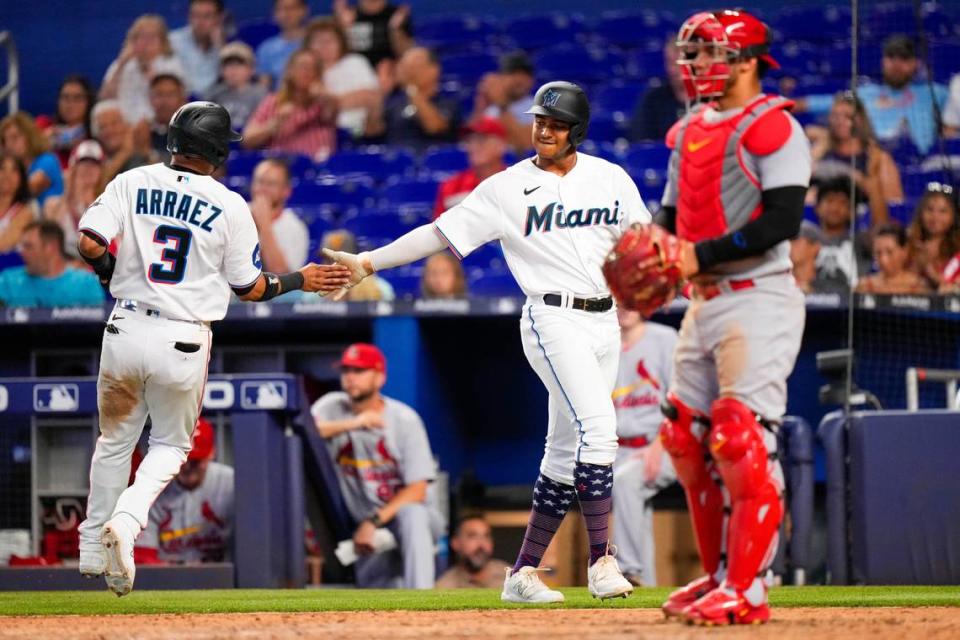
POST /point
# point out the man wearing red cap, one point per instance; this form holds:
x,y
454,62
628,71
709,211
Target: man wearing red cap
x,y
385,468
738,174
192,520
486,142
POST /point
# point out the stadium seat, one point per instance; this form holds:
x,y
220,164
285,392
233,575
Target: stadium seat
x,y
405,281
242,163
537,31
578,64
256,31
812,24
377,163
410,191
488,256
453,32
648,155
617,97
468,68
799,58
339,197
443,161
603,128
626,29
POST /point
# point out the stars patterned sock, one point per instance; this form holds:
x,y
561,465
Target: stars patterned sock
x,y
594,486
551,500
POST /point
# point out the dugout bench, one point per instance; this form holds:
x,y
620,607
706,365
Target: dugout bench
x,y
266,454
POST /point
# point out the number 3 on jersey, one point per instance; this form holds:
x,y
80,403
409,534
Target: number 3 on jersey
x,y
173,263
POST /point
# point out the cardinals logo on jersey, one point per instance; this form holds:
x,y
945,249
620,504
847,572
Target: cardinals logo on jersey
x,y
643,392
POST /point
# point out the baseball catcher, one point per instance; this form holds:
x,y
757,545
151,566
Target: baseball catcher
x,y
738,172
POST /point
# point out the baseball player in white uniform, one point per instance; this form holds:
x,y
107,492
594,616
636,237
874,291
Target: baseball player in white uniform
x,y
187,241
556,215
642,467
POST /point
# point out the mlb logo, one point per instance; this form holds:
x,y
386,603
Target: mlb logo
x,y
267,394
551,98
56,397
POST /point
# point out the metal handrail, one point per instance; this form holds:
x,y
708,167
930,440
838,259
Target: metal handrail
x,y
11,90
916,375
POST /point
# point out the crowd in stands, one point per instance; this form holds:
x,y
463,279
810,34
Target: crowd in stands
x,y
364,123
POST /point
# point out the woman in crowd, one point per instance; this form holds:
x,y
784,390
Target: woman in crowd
x,y
70,125
849,136
934,233
348,76
17,207
891,255
21,137
300,117
83,187
146,52
443,278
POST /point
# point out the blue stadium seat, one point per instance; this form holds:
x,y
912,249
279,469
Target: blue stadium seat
x,y
578,64
468,68
799,58
410,191
405,281
494,283
376,226
536,31
242,163
626,29
337,196
812,24
377,163
645,63
617,97
453,32
648,155
440,161
256,31
603,128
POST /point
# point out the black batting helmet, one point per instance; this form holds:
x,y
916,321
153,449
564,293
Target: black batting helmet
x,y
567,102
201,129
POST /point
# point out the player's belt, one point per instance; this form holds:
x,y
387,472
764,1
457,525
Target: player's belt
x,y
710,291
634,443
582,304
152,312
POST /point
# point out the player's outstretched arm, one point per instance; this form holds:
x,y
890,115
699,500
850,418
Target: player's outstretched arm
x,y
423,241
314,278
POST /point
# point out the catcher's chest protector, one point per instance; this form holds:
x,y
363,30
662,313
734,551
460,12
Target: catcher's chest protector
x,y
717,191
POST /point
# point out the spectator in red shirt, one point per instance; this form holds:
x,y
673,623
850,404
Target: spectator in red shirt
x,y
486,143
299,118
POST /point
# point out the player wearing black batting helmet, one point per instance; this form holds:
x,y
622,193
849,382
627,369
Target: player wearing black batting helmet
x,y
567,102
202,129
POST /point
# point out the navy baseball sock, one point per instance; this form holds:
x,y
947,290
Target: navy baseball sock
x,y
551,500
594,485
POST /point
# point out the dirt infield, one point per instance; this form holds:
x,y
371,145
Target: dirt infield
x,y
932,623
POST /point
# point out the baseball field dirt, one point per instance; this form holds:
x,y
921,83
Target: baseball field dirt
x,y
802,613
933,623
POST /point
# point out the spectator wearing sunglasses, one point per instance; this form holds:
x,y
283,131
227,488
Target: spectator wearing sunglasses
x,y
934,235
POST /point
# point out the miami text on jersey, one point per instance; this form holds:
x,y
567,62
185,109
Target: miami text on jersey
x,y
553,215
173,204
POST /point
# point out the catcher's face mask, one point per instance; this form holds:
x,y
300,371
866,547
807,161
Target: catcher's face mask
x,y
705,56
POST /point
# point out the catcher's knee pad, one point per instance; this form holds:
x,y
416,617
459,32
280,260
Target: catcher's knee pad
x,y
683,433
737,445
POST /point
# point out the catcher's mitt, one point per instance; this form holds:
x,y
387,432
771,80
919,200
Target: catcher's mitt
x,y
643,269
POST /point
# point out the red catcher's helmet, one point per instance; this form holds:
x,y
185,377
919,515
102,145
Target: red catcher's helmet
x,y
727,36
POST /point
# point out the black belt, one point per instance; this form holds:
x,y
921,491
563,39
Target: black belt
x,y
582,304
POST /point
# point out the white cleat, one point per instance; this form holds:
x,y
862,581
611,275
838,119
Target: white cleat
x,y
118,542
525,587
604,579
93,562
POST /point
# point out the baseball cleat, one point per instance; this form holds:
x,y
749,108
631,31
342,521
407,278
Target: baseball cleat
x,y
525,587
93,562
686,596
723,607
604,579
118,542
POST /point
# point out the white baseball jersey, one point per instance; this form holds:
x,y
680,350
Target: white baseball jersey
x,y
555,231
186,239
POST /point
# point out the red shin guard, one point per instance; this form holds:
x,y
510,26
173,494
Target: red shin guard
x,y
736,442
682,433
